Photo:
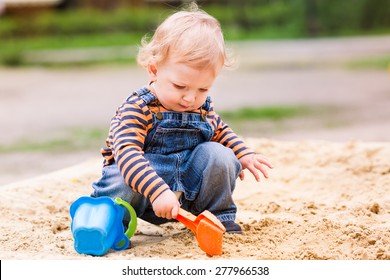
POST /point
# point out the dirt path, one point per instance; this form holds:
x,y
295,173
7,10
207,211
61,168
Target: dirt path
x,y
38,103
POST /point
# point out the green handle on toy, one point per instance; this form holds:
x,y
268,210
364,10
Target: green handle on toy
x,y
133,217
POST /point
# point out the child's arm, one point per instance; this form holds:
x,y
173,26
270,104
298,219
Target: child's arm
x,y
127,136
225,135
247,157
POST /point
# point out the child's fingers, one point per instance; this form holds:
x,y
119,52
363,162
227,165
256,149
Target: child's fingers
x,y
242,175
175,211
262,168
255,164
264,160
255,173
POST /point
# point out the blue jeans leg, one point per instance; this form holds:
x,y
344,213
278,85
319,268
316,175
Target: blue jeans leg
x,y
219,169
113,185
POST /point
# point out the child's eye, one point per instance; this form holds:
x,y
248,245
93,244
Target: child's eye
x,y
178,86
203,89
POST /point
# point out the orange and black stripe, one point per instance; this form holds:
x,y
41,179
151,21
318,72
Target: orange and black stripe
x,y
124,145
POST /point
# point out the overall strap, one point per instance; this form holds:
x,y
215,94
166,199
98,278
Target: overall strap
x,y
145,94
206,105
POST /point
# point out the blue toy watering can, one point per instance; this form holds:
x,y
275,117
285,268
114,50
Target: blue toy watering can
x,y
97,225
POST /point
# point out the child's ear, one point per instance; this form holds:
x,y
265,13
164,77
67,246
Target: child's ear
x,y
152,71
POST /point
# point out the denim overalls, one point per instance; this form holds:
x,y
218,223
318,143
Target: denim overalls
x,y
178,148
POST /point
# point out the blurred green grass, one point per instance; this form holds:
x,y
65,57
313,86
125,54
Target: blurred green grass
x,y
273,113
75,139
374,62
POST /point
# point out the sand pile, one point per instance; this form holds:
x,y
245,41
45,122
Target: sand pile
x,y
324,200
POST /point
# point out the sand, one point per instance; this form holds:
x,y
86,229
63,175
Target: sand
x,y
324,200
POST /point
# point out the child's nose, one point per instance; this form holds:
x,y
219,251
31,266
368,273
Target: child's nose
x,y
189,96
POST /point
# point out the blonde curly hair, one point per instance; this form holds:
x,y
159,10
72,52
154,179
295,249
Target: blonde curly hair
x,y
190,36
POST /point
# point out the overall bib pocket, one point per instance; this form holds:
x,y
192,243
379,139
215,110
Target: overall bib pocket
x,y
172,140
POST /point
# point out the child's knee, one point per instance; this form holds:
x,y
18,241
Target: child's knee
x,y
111,184
219,156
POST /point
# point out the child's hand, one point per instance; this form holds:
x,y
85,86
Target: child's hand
x,y
166,205
255,162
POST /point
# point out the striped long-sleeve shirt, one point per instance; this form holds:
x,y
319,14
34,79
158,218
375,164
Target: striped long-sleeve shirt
x,y
124,145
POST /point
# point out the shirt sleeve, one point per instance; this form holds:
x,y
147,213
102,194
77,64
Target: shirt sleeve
x,y
128,131
226,136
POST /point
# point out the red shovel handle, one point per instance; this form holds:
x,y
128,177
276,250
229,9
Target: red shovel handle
x,y
187,219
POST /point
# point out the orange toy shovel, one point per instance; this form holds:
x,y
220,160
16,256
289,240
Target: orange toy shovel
x,y
207,228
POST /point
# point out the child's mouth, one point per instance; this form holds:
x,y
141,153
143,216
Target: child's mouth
x,y
184,106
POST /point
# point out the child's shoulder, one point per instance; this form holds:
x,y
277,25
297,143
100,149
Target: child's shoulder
x,y
138,103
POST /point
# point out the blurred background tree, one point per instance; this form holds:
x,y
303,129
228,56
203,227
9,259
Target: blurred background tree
x,y
97,23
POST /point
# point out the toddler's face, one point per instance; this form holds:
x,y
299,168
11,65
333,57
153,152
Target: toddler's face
x,y
180,87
